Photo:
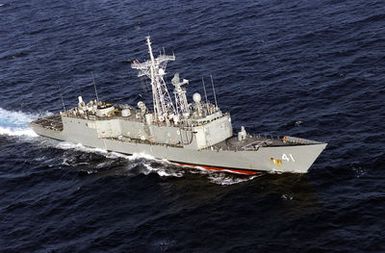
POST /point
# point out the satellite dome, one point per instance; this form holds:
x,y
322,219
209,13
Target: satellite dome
x,y
197,97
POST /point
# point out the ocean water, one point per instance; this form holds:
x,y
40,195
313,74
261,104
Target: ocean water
x,y
313,69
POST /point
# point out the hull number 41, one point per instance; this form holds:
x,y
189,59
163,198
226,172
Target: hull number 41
x,y
288,158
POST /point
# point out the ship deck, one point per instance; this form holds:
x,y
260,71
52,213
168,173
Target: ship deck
x,y
53,122
251,143
254,142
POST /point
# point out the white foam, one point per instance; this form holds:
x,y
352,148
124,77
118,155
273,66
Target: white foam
x,y
219,178
163,172
17,132
15,123
228,179
81,147
132,157
287,196
107,154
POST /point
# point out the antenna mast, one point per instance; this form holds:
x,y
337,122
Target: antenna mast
x,y
62,101
215,96
204,90
155,68
61,97
96,92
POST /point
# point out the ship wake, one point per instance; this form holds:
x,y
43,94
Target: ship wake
x,y
117,164
15,123
114,163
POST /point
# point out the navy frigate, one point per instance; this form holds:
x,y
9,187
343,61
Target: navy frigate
x,y
196,134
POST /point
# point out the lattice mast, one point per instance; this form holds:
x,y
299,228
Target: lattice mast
x,y
155,69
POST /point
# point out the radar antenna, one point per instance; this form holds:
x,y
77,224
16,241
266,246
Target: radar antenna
x,y
155,68
182,107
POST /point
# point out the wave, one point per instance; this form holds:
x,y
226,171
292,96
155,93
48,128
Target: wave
x,y
221,178
162,171
15,123
149,165
105,153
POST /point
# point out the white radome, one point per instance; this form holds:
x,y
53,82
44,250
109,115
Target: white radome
x,y
197,97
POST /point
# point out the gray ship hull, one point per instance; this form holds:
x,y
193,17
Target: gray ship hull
x,y
291,158
194,134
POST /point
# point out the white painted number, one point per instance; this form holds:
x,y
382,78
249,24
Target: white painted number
x,y
288,158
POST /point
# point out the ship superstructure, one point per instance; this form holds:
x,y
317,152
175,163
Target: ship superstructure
x,y
193,134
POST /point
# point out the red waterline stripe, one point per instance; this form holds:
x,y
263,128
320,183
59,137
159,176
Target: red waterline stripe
x,y
210,168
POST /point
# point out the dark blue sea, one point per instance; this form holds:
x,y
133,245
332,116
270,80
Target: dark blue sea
x,y
307,68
